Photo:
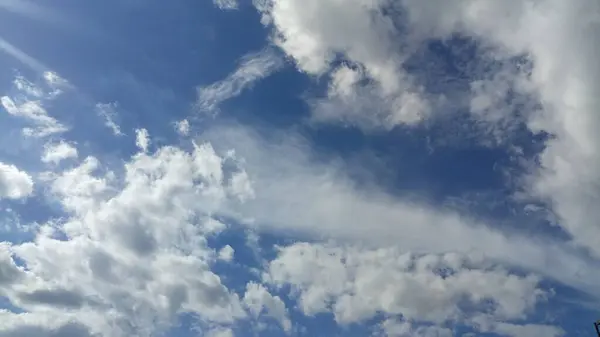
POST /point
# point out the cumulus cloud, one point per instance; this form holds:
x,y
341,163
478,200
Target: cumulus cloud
x,y
260,302
14,183
357,284
135,254
253,67
226,253
57,152
374,91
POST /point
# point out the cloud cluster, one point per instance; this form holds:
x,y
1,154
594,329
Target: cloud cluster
x,y
131,253
442,291
28,103
544,57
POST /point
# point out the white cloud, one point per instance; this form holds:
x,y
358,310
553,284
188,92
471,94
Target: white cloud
x,y
560,41
129,235
48,325
485,324
183,127
36,113
136,254
253,67
14,183
226,4
392,327
357,284
349,102
108,112
293,193
260,301
21,56
57,152
28,102
226,253
318,33
220,332
34,11
56,83
142,139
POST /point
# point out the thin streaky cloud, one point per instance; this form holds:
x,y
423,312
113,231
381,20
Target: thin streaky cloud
x,y
107,111
253,68
32,10
21,56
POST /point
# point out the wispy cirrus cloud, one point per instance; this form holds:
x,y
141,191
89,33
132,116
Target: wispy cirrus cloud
x,y
108,112
21,56
253,67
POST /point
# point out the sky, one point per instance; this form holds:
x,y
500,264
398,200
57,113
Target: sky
x,y
240,168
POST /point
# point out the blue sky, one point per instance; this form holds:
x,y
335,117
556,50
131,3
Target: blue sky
x,y
299,167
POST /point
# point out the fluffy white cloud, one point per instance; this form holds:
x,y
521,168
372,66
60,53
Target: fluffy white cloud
x,y
226,253
375,91
14,183
135,254
260,302
56,152
356,284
